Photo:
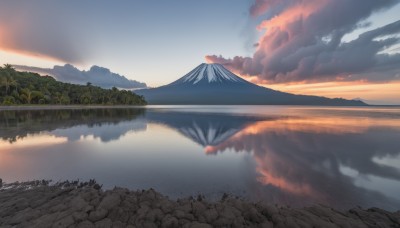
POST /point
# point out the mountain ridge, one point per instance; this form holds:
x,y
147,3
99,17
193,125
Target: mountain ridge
x,y
213,84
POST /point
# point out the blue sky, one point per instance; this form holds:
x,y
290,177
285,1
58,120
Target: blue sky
x,y
152,41
159,41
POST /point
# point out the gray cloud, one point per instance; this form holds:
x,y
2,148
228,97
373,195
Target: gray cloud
x,y
29,28
303,42
98,76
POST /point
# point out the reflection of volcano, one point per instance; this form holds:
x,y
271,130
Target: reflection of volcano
x,y
206,129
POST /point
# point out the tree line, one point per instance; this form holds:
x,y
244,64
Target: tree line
x,y
31,88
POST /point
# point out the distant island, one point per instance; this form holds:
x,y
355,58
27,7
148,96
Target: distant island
x,y
213,84
25,88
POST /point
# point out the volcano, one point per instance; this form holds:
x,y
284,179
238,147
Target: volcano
x,y
213,84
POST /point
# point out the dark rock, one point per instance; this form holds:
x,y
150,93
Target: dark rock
x,y
45,220
85,224
229,212
198,208
141,212
268,224
78,203
210,215
169,222
79,216
200,225
98,214
64,222
75,204
224,197
238,222
166,206
186,207
23,216
148,224
155,215
253,215
183,222
97,186
179,214
222,222
118,224
105,223
110,201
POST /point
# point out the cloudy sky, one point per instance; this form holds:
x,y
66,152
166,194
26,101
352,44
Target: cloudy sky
x,y
334,48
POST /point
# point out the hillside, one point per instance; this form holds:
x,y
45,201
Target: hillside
x,y
31,88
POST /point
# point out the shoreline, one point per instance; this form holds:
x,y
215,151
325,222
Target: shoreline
x,y
66,107
85,204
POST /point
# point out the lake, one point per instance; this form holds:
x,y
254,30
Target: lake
x,y
338,156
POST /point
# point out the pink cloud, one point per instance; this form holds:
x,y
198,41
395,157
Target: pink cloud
x,y
302,42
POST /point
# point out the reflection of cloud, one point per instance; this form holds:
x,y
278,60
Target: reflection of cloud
x,y
41,140
105,132
334,125
302,158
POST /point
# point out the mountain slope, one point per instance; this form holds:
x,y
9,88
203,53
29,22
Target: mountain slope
x,y
214,84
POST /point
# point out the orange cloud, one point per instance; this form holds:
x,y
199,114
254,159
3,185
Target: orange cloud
x,y
285,21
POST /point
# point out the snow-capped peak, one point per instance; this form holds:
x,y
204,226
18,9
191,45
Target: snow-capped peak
x,y
209,73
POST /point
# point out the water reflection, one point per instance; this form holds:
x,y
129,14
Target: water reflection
x,y
309,160
329,156
72,123
206,129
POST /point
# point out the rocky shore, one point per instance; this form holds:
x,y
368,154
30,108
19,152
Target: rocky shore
x,y
75,204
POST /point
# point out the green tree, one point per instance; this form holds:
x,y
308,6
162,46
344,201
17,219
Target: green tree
x,y
8,82
36,96
26,95
9,100
31,88
8,67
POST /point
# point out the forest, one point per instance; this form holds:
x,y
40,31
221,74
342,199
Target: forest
x,y
27,88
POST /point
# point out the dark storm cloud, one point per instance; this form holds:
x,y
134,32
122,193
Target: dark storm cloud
x,y
98,76
303,42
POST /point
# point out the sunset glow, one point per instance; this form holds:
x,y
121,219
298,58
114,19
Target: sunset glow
x,y
372,93
270,113
295,49
32,141
277,167
314,125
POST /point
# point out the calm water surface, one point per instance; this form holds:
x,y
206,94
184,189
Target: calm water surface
x,y
342,157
